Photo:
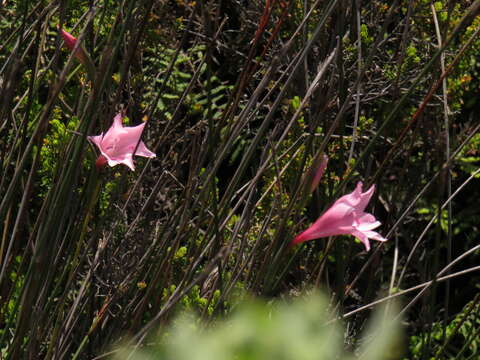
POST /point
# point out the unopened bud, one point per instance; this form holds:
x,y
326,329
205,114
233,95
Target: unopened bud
x,y
101,162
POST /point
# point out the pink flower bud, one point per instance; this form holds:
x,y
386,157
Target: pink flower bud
x,y
80,53
316,171
101,162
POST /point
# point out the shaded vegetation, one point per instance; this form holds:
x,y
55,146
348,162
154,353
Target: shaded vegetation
x,y
239,98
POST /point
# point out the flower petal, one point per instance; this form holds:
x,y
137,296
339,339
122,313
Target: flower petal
x,y
337,220
374,235
351,199
367,222
143,151
128,160
116,129
97,140
363,236
365,197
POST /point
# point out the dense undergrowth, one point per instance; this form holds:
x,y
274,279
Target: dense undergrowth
x,y
240,99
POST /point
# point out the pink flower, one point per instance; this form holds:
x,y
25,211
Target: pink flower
x,y
346,216
119,143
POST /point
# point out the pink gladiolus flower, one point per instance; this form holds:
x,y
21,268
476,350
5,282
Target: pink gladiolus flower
x,y
346,216
118,144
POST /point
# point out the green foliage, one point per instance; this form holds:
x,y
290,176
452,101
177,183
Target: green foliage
x,y
366,38
195,302
469,157
298,330
463,83
9,308
54,145
428,213
412,55
459,339
210,91
119,249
